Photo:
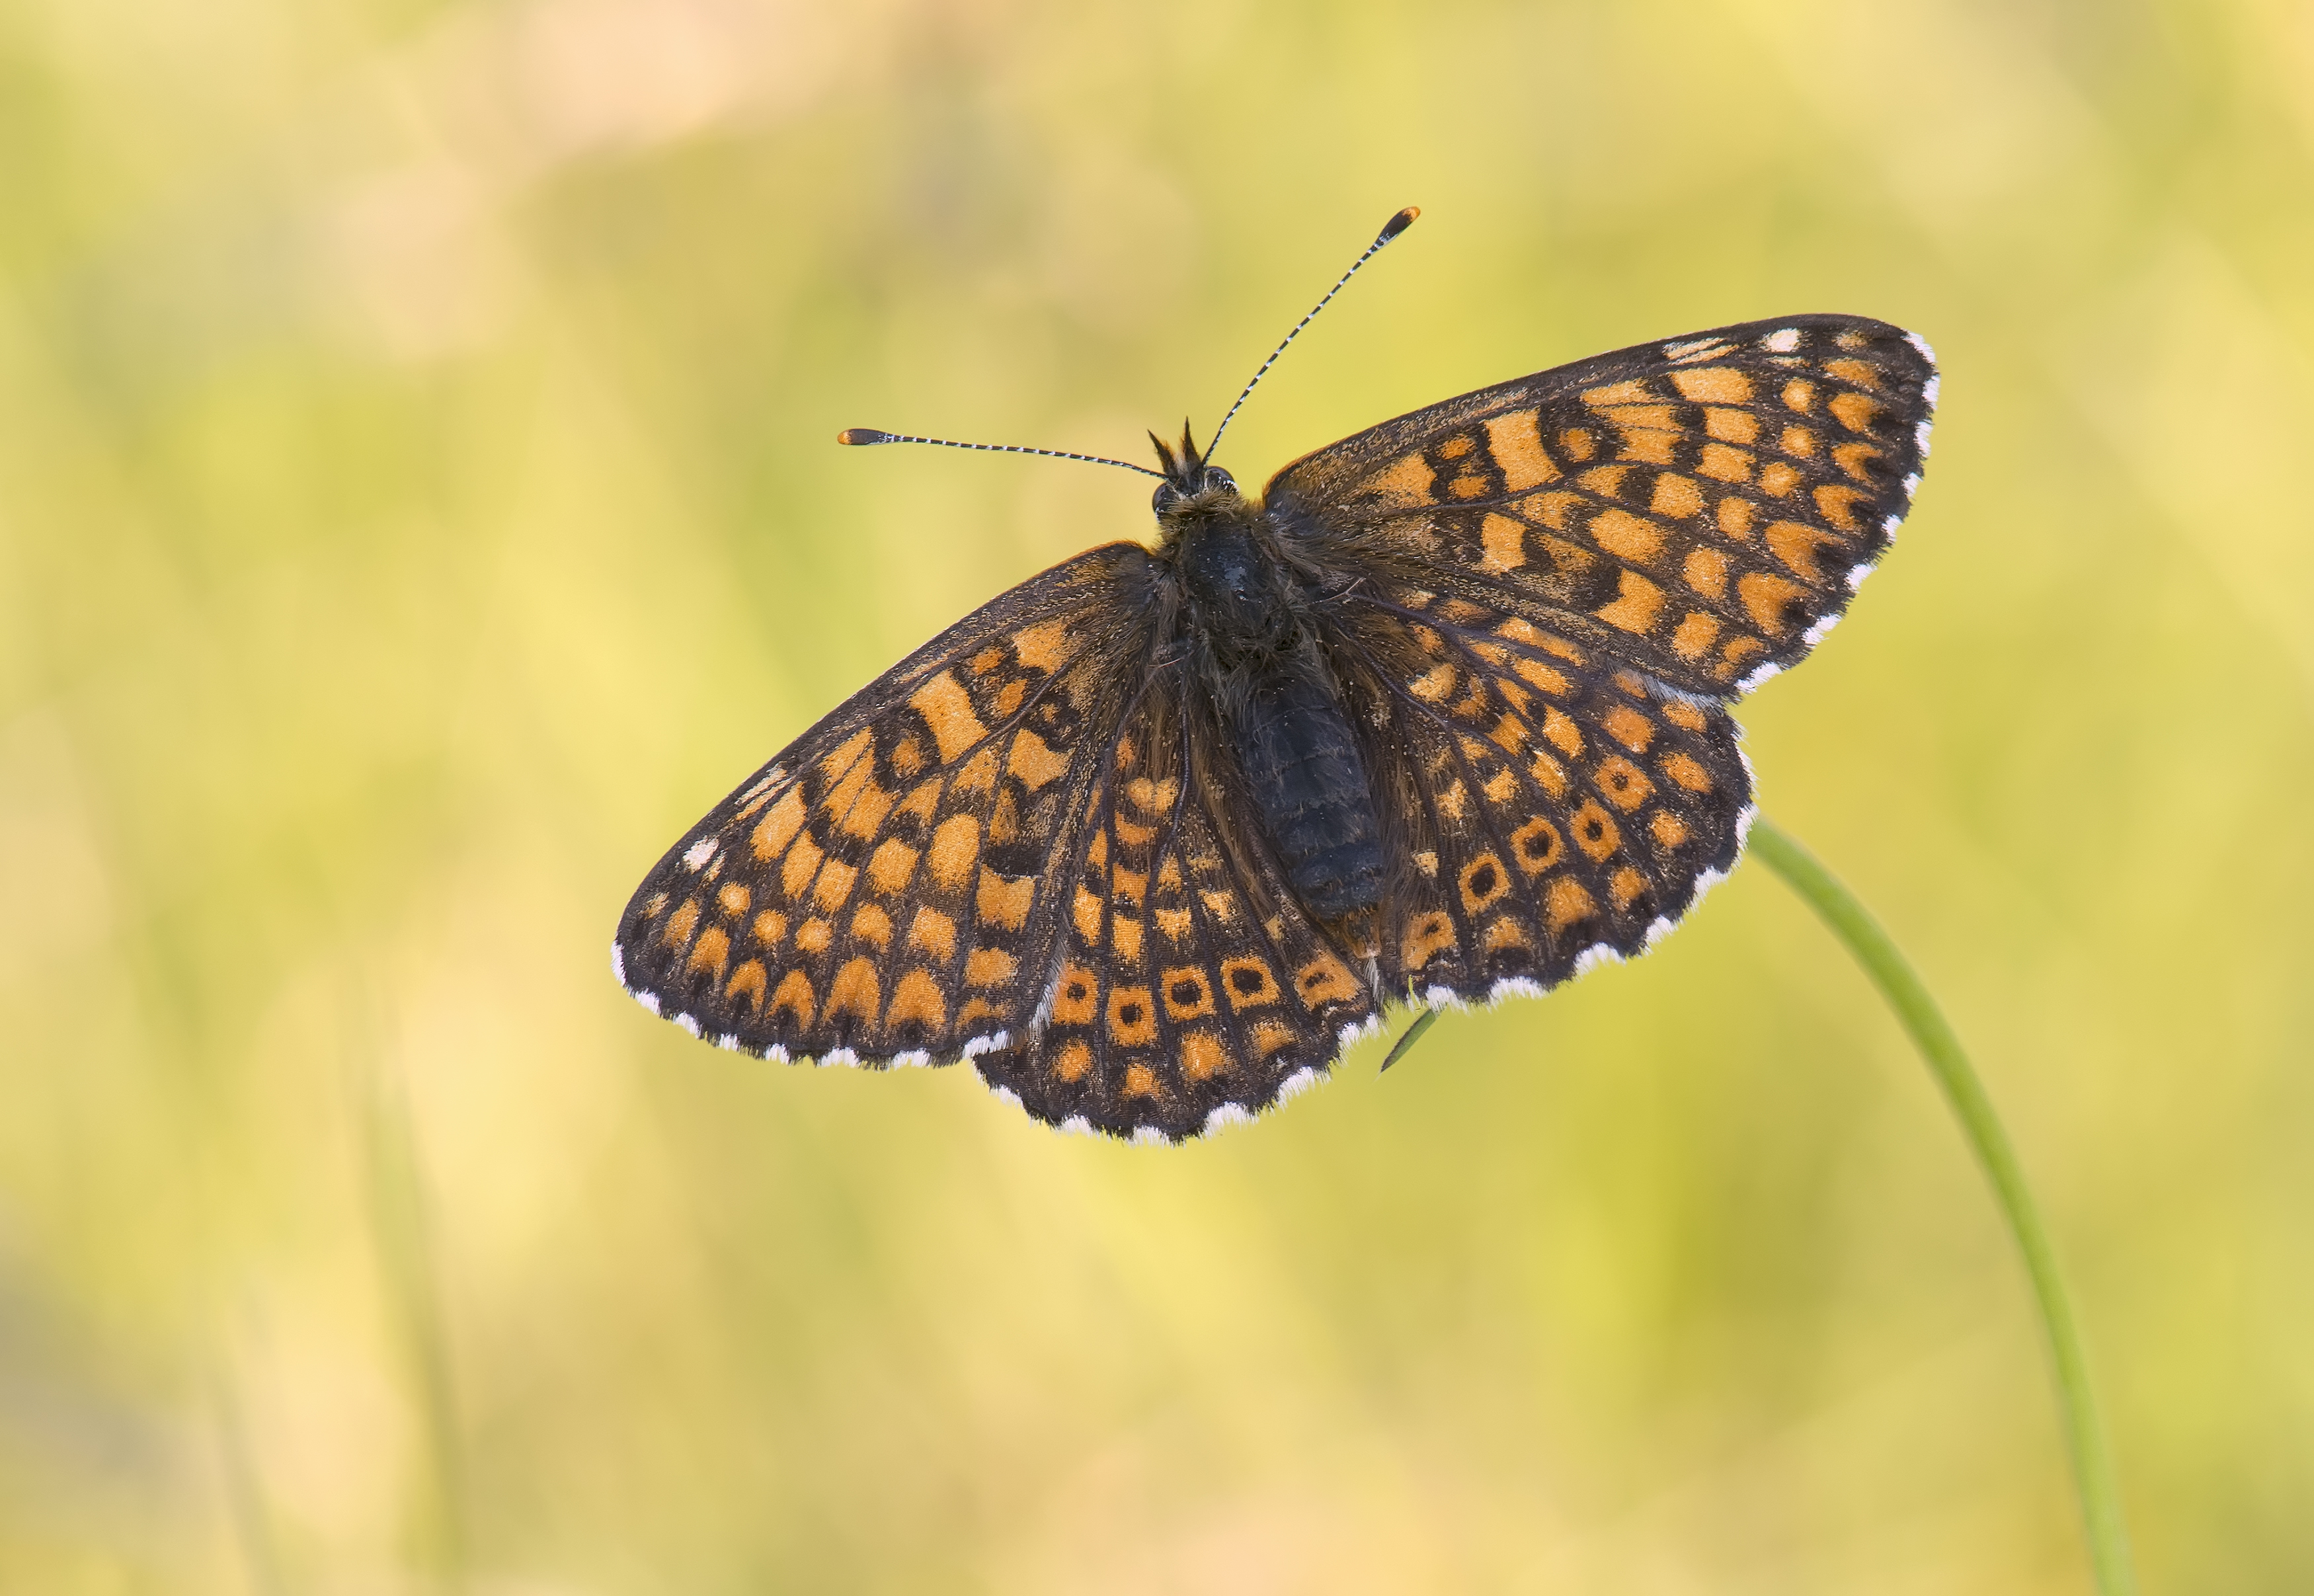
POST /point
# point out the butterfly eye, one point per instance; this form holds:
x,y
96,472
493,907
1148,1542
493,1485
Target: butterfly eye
x,y
1217,478
1166,497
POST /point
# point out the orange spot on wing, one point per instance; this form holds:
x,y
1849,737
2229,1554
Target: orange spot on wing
x,y
734,898
891,866
1627,537
711,952
1042,647
872,925
1692,638
1004,902
917,997
779,825
1139,1082
1735,517
1670,831
956,849
1836,501
681,924
1687,716
835,884
1625,886
1628,727
748,981
802,863
989,966
1796,544
1072,1062
794,996
770,926
1768,599
1406,482
1515,441
1425,938
1636,607
1594,830
947,708
1861,372
1249,982
1686,772
1854,410
1034,762
934,933
1713,385
1325,980
1676,496
1201,1056
1724,463
1537,846
1132,1016
1777,479
1502,544
1706,570
1566,902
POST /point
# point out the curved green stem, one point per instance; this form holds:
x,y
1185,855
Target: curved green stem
x,y
2093,1472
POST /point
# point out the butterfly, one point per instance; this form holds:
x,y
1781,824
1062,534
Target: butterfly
x,y
1442,716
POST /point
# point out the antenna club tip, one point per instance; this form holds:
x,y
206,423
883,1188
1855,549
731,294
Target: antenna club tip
x,y
1400,223
863,435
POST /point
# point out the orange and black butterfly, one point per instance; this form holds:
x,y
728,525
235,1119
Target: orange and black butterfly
x,y
1442,716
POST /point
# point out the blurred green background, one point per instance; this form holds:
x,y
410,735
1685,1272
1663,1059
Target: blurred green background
x,y
418,504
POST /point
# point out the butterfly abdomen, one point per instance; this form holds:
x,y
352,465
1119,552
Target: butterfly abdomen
x,y
1303,770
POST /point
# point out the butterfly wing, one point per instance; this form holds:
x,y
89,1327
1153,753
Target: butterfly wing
x,y
1186,989
1701,509
877,892
1551,806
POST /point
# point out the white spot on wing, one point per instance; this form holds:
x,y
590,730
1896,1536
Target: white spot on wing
x,y
980,1045
1515,986
1659,928
1920,440
1763,673
648,1000
840,1055
917,1060
1856,575
1443,997
1782,341
1150,1136
1295,1084
1005,1094
1358,1030
1598,953
1076,1124
1227,1115
684,1022
1816,634
697,855
618,964
1922,344
776,1051
728,1041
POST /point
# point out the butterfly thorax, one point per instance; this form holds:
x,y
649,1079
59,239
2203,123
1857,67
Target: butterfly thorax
x,y
1246,621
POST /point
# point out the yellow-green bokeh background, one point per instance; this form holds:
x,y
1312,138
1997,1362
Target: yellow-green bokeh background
x,y
416,505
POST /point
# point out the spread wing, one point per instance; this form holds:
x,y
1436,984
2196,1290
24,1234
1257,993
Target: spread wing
x,y
880,893
1701,509
1187,988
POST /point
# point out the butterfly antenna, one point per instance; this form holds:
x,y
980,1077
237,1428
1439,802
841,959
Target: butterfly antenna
x,y
1390,229
862,435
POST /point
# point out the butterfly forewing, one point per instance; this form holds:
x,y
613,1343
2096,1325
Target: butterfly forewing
x,y
876,894
1702,508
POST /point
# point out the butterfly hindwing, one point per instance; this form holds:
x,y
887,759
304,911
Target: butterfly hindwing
x,y
1186,987
875,894
1552,805
1702,507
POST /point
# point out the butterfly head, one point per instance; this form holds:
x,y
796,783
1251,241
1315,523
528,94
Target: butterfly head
x,y
1188,482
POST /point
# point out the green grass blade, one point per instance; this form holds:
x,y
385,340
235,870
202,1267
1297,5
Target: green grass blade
x,y
2085,1439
